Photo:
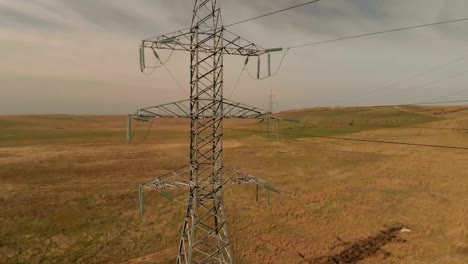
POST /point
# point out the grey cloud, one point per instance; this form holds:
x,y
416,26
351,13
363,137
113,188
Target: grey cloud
x,y
312,76
324,18
133,18
107,15
10,17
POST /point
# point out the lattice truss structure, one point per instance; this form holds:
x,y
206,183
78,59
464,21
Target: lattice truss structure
x,y
181,109
204,237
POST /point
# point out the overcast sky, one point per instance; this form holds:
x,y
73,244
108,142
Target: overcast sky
x,y
81,56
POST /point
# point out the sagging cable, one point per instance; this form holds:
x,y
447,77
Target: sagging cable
x,y
270,73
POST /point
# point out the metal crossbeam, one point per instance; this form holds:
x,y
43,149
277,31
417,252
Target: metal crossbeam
x,y
181,40
181,109
177,179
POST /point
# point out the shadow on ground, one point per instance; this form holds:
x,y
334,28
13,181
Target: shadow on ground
x,y
361,249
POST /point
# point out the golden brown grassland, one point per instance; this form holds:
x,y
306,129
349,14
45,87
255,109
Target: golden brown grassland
x,y
68,188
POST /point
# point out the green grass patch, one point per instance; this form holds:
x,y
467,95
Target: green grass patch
x,y
306,123
332,122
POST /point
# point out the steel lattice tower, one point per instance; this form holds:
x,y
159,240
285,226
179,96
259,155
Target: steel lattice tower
x,y
205,237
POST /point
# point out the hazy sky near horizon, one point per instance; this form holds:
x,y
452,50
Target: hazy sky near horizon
x,y
81,56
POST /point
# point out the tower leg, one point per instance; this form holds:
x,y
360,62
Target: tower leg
x,y
202,242
225,231
182,256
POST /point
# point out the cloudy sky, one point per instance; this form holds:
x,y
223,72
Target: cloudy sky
x,y
81,56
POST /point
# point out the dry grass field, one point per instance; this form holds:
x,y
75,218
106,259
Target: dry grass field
x,y
68,188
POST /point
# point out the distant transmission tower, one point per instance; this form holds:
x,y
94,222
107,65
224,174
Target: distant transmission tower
x,y
270,101
204,238
270,110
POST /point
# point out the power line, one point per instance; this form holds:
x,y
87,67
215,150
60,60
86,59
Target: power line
x,y
420,103
379,32
156,66
146,135
376,125
432,103
368,140
272,13
343,38
394,142
355,36
445,96
260,16
360,36
453,76
397,83
237,82
163,64
388,105
390,126
175,79
415,104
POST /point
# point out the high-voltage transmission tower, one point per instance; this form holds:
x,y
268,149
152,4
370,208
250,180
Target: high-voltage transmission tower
x,y
204,238
268,123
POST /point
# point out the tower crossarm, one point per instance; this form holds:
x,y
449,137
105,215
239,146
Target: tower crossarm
x,y
177,179
181,109
181,40
234,109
